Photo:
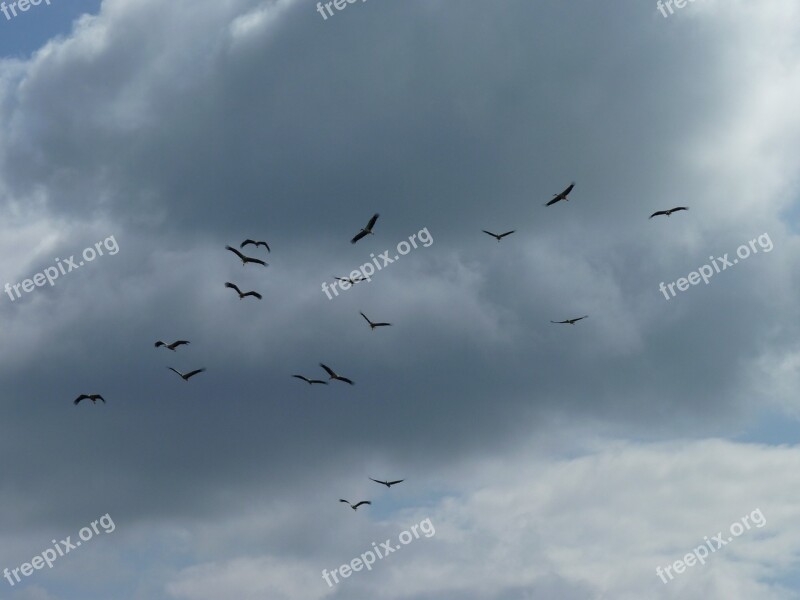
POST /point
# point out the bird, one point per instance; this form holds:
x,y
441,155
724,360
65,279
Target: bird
x,y
333,374
310,381
367,230
498,237
233,286
350,280
374,325
562,196
186,376
171,346
570,321
246,259
355,506
388,484
93,397
254,243
668,212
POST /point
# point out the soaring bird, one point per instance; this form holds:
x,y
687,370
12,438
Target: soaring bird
x,y
388,484
374,325
350,280
498,237
333,374
93,397
570,321
171,346
367,230
186,376
233,286
254,243
355,506
562,196
668,212
245,259
310,381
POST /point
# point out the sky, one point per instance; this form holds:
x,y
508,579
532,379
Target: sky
x,y
594,460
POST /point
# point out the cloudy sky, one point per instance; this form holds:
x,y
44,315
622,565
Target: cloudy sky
x,y
548,461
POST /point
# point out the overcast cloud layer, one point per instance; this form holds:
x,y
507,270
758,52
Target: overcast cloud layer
x,y
554,461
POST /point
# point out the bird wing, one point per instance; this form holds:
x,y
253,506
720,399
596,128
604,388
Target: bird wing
x,y
233,286
377,481
306,379
328,370
362,502
236,252
494,235
79,398
358,236
345,379
160,343
195,372
382,324
657,213
345,501
677,208
371,223
256,294
98,397
174,371
395,482
554,200
265,244
244,243
560,322
318,381
177,343
365,318
502,235
569,189
258,261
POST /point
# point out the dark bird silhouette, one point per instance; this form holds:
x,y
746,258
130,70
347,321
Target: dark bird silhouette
x,y
562,196
186,376
333,374
93,397
171,346
350,280
254,243
233,286
245,259
668,212
367,230
388,484
498,237
570,321
374,325
355,506
310,381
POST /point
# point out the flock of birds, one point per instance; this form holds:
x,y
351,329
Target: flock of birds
x,y
333,375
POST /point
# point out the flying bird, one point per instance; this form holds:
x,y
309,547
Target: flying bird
x,y
310,381
374,325
233,286
245,259
171,346
254,243
498,237
570,321
355,506
668,212
562,196
186,376
333,374
350,280
367,230
93,397
388,484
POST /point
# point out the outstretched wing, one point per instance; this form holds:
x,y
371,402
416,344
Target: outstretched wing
x,y
365,318
233,286
376,481
174,371
677,208
246,242
494,235
657,214
554,200
395,482
159,343
79,398
502,235
258,261
195,372
362,502
177,343
345,379
255,294
306,379
358,236
568,190
371,223
236,252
